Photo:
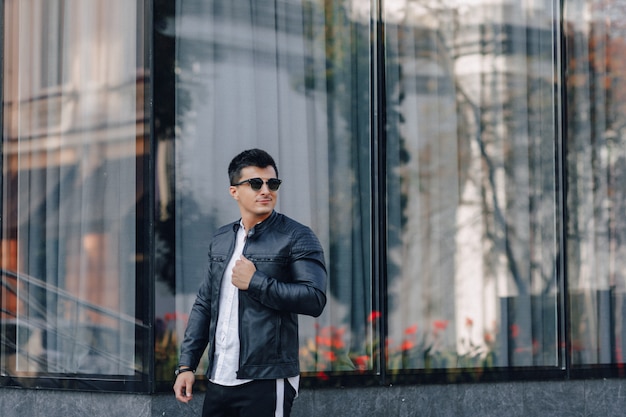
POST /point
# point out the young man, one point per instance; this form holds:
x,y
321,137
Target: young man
x,y
263,270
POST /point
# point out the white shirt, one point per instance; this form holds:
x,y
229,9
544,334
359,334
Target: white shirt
x,y
226,357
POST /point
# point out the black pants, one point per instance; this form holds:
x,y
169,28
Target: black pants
x,y
253,399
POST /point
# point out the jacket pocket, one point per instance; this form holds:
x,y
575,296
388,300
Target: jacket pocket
x,y
279,342
274,266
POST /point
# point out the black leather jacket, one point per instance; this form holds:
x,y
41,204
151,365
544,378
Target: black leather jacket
x,y
290,279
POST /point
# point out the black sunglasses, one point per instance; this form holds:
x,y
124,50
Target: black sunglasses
x,y
257,183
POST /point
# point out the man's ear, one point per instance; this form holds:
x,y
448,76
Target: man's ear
x,y
233,192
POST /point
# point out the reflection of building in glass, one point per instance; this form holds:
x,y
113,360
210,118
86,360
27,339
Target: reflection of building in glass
x,y
474,86
73,148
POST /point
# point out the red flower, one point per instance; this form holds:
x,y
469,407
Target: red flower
x,y
330,355
514,330
337,343
469,322
337,338
407,345
440,324
374,315
323,341
411,330
361,362
322,375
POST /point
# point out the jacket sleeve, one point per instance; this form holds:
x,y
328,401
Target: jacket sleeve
x,y
305,292
197,331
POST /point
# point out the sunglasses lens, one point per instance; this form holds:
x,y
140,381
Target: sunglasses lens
x,y
256,183
273,184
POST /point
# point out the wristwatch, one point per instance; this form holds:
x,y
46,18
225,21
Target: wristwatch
x,y
180,370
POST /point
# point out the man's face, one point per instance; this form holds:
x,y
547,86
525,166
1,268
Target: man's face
x,y
255,206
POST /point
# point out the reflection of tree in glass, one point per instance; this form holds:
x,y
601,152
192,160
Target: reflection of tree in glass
x,y
196,224
504,143
352,148
595,112
168,102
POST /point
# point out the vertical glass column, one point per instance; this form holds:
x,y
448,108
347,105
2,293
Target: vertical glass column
x,y
472,200
595,36
291,77
74,145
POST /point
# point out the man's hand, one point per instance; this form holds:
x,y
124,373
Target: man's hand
x,y
242,273
183,386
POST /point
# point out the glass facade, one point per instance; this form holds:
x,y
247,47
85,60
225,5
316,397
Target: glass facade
x,y
462,163
74,151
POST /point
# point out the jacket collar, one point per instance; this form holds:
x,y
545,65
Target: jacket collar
x,y
259,227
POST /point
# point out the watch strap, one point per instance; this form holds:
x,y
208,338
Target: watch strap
x,y
179,371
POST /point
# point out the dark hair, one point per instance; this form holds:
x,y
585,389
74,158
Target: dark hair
x,y
249,158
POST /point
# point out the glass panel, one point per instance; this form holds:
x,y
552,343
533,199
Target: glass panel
x,y
472,234
72,148
596,167
290,77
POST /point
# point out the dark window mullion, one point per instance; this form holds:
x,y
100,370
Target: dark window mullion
x,y
379,188
565,359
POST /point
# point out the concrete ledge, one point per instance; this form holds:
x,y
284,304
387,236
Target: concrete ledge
x,y
602,398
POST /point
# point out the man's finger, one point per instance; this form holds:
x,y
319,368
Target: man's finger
x,y
183,387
